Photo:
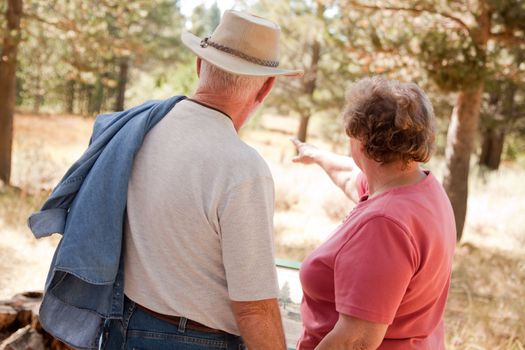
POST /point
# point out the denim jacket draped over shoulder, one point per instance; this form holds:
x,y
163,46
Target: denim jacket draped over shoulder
x,y
84,286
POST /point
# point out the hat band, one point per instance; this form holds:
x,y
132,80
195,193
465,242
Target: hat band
x,y
267,63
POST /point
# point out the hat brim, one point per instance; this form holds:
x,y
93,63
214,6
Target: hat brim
x,y
231,63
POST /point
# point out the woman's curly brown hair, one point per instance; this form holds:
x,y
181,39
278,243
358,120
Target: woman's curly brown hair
x,y
394,121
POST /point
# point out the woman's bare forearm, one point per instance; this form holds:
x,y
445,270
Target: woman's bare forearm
x,y
351,333
342,170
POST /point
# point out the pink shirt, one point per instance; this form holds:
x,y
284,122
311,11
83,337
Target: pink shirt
x,y
389,262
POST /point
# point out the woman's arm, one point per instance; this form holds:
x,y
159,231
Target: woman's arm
x,y
352,333
342,170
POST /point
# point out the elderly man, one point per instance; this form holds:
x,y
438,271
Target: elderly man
x,y
198,252
167,216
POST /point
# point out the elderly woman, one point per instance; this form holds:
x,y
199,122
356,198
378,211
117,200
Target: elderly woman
x,y
381,280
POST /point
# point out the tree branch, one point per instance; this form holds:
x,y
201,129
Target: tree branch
x,y
458,21
507,39
67,25
62,25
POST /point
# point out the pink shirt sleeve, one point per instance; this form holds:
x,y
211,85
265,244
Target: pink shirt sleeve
x,y
373,269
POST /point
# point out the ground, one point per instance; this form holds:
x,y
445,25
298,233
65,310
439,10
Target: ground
x,y
486,308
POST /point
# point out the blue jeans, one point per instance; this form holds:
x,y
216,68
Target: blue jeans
x,y
139,330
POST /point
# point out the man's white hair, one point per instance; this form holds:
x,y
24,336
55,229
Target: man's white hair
x,y
238,87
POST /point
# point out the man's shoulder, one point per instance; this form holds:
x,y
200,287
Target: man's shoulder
x,y
247,152
248,161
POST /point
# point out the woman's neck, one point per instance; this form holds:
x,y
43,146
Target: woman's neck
x,y
384,177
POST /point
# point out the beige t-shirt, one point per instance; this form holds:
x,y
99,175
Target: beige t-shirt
x,y
199,221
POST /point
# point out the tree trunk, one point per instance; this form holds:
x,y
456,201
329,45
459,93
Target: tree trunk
x,y
84,98
463,129
38,99
8,85
494,134
95,97
122,81
37,64
303,128
70,96
492,147
309,85
462,132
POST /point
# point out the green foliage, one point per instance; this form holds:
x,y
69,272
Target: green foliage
x,y
353,44
310,34
75,45
71,52
3,9
508,13
42,70
452,59
454,47
497,109
204,20
176,75
162,82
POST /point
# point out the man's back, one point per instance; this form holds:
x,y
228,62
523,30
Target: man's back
x,y
199,220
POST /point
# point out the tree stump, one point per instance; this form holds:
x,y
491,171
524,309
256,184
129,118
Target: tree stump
x,y
20,327
27,305
24,339
8,315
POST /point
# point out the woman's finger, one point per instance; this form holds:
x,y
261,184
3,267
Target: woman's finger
x,y
296,142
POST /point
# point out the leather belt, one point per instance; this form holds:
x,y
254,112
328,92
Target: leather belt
x,y
175,320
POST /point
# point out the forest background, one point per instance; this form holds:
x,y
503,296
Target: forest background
x,y
65,61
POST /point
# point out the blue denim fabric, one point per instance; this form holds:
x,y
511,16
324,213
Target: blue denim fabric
x,y
84,286
138,330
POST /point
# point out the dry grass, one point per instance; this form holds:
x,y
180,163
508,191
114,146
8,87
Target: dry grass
x,y
23,260
486,308
495,214
44,147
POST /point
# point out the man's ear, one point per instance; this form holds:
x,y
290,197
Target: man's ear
x,y
199,62
265,89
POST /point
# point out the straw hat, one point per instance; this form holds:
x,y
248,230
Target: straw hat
x,y
242,44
